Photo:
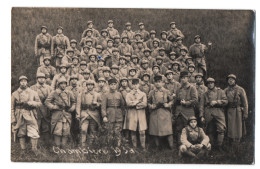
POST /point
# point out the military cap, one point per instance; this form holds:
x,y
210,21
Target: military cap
x,y
113,80
88,82
63,65
146,74
184,74
144,61
114,66
75,57
132,68
89,22
69,50
99,47
140,41
101,79
164,32
172,53
86,46
83,62
122,57
128,24
110,21
176,63
88,40
86,71
156,66
135,81
156,40
46,57
44,27
197,36
40,75
232,76
125,36
110,40
127,54
116,37
137,33
73,41
62,80
147,49
152,32
191,65
178,38
184,48
123,78
104,30
157,78
161,48
115,49
135,57
210,80
59,27
101,59
172,23
23,77
106,69
198,74
168,72
141,23
191,118
74,76
188,58
159,57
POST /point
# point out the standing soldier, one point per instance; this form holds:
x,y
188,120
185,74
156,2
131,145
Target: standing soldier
x,y
155,49
112,111
174,33
145,68
74,68
62,103
59,44
90,26
63,73
112,32
102,87
123,68
139,50
67,58
144,34
128,32
117,41
23,103
186,97
88,113
73,45
192,74
84,41
136,102
211,111
149,43
43,44
171,84
165,43
160,101
176,70
47,69
124,46
84,53
43,114
148,57
237,111
102,40
182,58
197,52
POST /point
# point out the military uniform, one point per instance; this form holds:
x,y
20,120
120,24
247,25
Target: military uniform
x,y
125,48
49,71
103,40
112,32
149,42
95,32
144,34
84,41
166,44
56,78
174,33
130,34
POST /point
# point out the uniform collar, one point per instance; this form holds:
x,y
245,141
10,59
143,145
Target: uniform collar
x,y
60,35
186,86
40,86
192,129
59,91
160,90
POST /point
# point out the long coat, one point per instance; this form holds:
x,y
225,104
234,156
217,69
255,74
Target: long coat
x,y
135,116
160,121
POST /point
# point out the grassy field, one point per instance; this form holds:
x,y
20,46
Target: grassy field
x,y
229,31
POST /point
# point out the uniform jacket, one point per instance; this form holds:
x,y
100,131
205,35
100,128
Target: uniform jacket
x,y
130,34
146,87
59,45
56,78
125,48
49,72
174,33
144,34
112,32
42,44
95,33
190,136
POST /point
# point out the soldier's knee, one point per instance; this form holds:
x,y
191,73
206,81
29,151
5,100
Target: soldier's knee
x,y
183,148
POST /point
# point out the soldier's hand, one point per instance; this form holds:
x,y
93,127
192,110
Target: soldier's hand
x,y
213,102
152,106
202,119
209,43
219,102
183,102
166,105
55,107
105,120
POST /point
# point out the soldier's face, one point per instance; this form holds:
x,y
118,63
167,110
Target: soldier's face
x,y
110,25
164,36
175,67
89,33
132,72
184,79
125,40
193,123
70,54
159,61
135,60
211,85
73,45
138,37
106,73
74,81
86,75
117,40
141,26
114,71
155,70
104,34
115,53
47,62
110,43
155,44
169,76
23,83
197,40
101,63
63,70
173,26
179,42
140,45
44,30
86,50
174,44
90,25
99,50
191,69
101,83
124,83
198,79
93,58
161,52
41,80
122,61
59,31
158,84
231,81
135,86
145,65
146,78
89,43
113,86
75,61
172,57
128,28
63,86
152,35
90,86
147,53
183,52
83,67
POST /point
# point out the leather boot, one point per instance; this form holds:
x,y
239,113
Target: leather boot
x,y
142,140
202,153
134,140
34,142
170,141
22,142
83,140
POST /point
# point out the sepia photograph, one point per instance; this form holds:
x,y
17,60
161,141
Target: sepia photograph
x,y
128,85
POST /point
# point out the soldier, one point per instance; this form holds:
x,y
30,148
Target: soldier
x,y
100,53
186,97
102,86
171,59
116,41
160,101
136,102
145,85
211,112
75,66
59,44
165,43
159,62
92,65
43,114
155,50
112,32
99,71
179,46
47,69
124,47
192,74
87,75
103,38
62,103
195,143
145,69
175,48
89,40
67,59
114,72
128,32
237,112
43,44
73,45
138,37
144,34
128,57
88,113
112,108
174,33
148,57
90,26
139,50
23,103
176,70
182,58
109,50
113,59
197,52
135,64
63,73
106,73
156,72
149,43
123,68
171,84
84,55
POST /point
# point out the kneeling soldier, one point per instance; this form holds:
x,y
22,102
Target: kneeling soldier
x,y
135,118
88,114
62,103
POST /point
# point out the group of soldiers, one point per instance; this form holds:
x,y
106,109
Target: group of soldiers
x,y
131,84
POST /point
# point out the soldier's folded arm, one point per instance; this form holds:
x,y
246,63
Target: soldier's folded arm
x,y
194,97
49,102
72,102
34,100
143,103
184,139
223,101
13,118
205,138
